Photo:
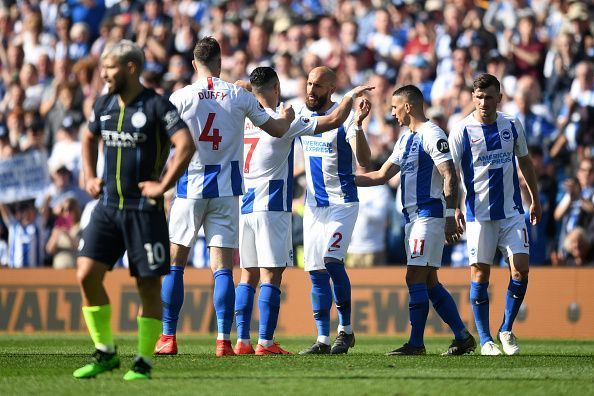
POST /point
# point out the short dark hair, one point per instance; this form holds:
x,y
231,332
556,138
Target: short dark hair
x,y
410,94
207,50
485,81
263,78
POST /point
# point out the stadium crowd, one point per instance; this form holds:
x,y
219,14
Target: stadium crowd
x,y
541,50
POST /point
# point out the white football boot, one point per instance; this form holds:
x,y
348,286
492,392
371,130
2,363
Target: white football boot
x,y
509,342
490,349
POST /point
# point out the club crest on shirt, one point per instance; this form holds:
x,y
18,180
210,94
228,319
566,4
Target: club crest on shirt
x,y
305,120
171,118
414,147
443,146
506,135
138,119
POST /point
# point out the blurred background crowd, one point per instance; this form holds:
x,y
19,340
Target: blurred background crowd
x,y
541,50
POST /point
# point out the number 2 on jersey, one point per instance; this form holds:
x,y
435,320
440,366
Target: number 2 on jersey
x,y
215,138
252,142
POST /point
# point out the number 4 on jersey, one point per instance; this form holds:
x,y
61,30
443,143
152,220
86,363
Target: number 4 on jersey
x,y
215,138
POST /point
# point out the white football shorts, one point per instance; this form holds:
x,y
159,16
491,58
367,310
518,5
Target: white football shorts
x,y
218,216
424,239
510,236
327,232
265,240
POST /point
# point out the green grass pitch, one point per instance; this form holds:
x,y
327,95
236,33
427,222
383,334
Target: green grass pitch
x,y
43,365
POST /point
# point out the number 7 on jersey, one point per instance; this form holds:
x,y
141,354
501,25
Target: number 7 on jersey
x,y
252,142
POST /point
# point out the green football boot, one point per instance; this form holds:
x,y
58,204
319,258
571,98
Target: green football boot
x,y
101,363
140,370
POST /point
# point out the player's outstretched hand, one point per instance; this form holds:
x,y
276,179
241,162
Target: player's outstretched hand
x,y
244,84
151,189
460,221
362,111
286,112
94,186
535,213
359,90
451,231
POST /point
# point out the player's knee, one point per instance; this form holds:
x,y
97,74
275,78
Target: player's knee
x,y
520,274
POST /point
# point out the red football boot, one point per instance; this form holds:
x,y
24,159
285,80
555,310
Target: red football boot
x,y
274,349
224,348
166,345
243,349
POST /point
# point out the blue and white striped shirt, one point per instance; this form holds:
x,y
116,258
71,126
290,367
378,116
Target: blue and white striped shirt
x,y
485,154
330,163
417,154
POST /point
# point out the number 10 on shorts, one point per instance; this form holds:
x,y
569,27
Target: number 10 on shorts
x,y
155,254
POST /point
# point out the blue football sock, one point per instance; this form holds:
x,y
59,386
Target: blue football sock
x,y
446,308
513,300
321,300
418,307
269,305
244,305
224,300
342,291
479,299
172,296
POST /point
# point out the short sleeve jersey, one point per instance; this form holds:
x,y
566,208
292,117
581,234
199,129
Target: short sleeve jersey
x,y
418,153
485,155
136,141
268,165
215,112
330,163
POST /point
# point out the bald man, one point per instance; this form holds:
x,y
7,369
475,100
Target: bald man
x,y
331,209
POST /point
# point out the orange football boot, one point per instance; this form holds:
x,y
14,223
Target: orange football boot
x,y
224,348
243,349
274,349
166,345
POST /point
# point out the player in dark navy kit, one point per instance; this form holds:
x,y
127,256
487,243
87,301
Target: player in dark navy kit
x,y
137,126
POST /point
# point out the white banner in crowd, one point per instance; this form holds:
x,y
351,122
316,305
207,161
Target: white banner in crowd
x,y
23,176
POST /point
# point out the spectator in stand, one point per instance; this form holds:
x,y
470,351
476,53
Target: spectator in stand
x,y
29,81
580,246
387,51
538,129
559,69
574,122
63,186
63,109
461,73
576,208
62,244
33,139
257,48
25,235
525,49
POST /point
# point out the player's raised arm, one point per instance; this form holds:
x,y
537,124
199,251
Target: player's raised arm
x,y
341,113
90,148
378,177
359,145
278,126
